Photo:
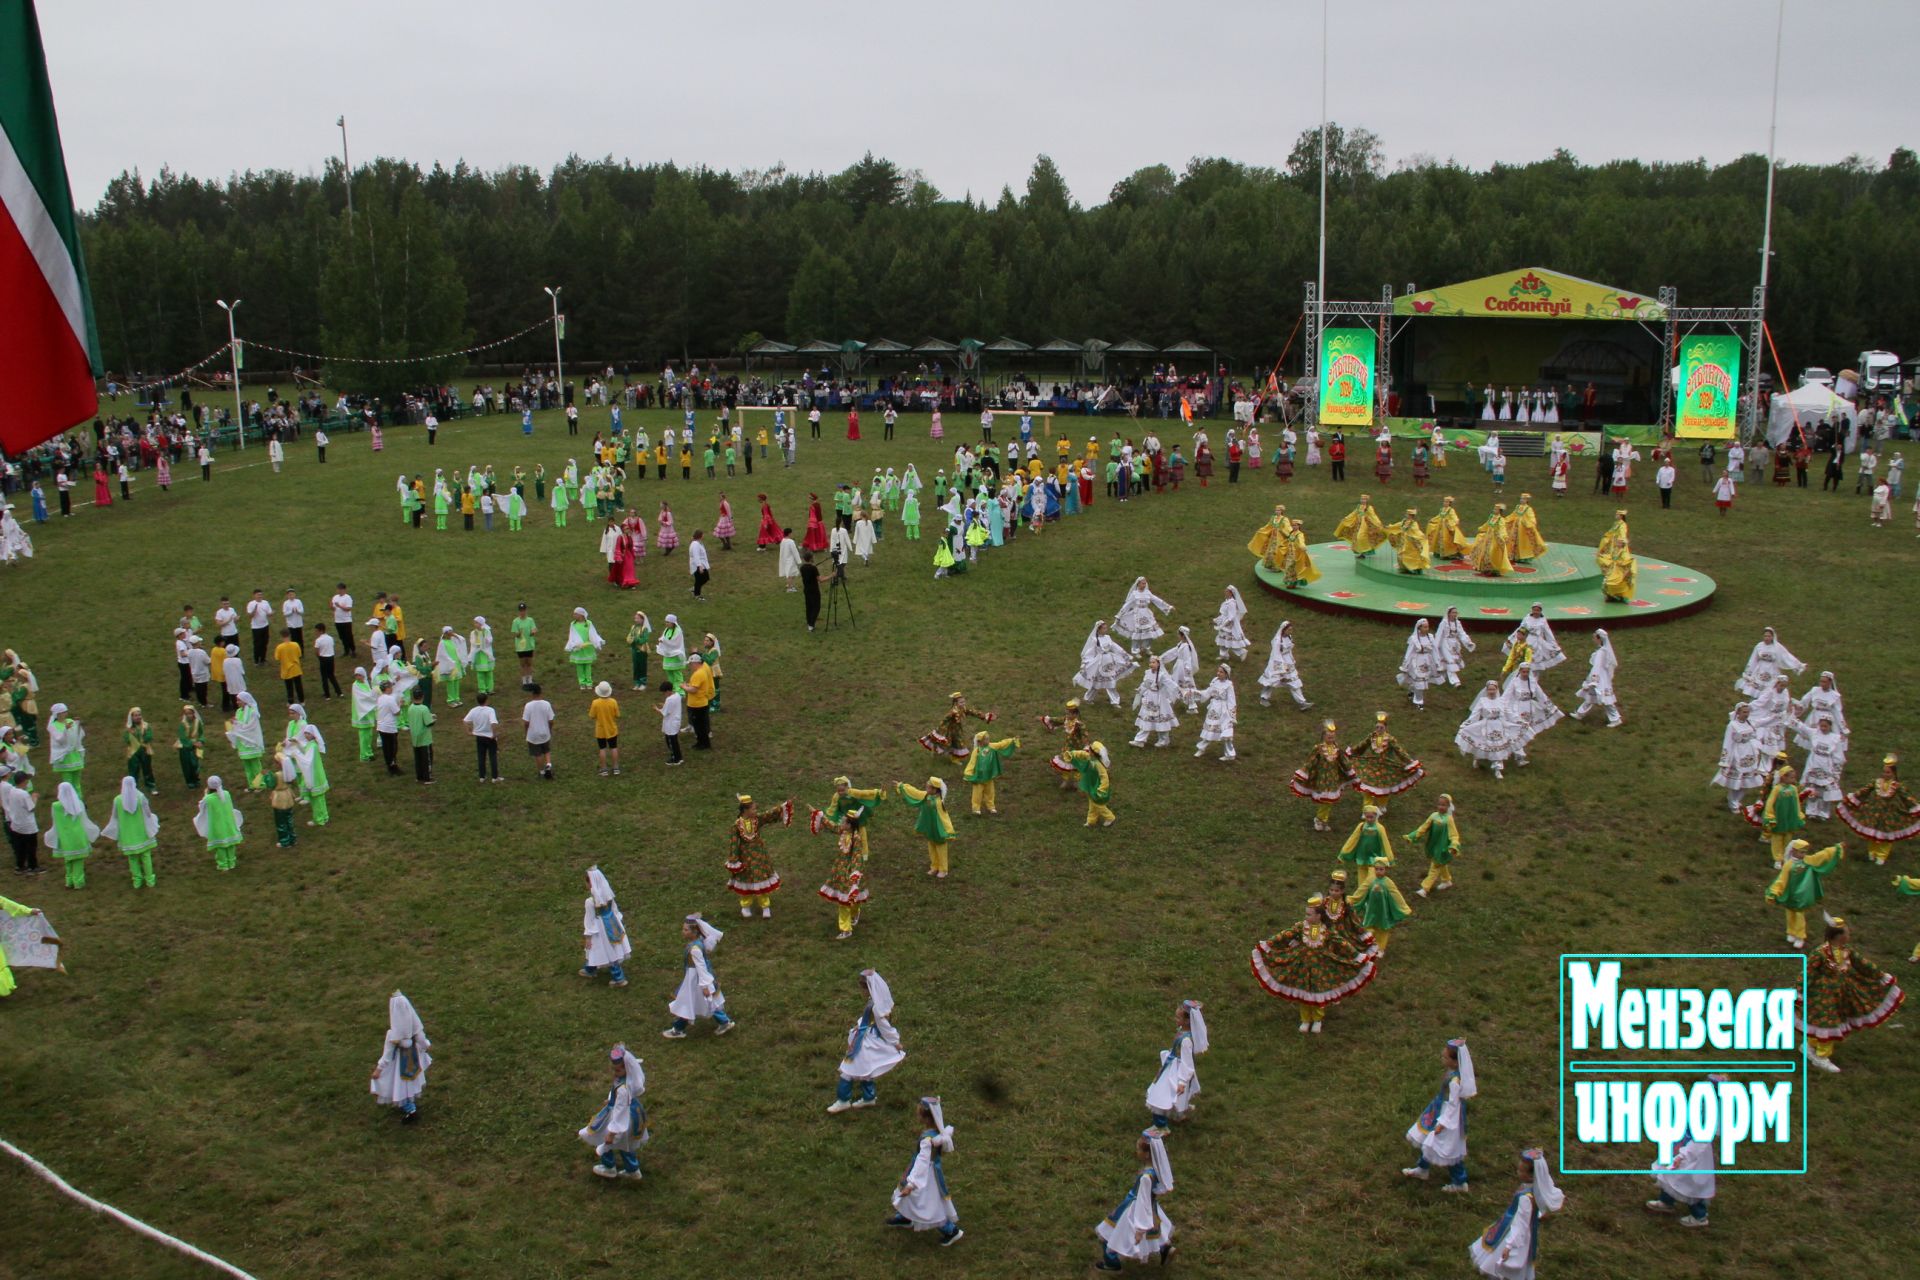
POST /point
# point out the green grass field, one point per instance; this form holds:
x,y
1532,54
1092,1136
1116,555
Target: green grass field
x,y
203,1064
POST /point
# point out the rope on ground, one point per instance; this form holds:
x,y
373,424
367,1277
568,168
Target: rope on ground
x,y
124,1219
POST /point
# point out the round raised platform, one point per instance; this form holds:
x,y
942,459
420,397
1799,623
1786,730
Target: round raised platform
x,y
1565,582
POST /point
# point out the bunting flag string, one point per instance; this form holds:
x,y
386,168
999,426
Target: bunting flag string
x,y
218,353
545,322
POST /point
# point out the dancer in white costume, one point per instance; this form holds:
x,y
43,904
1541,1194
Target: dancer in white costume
x,y
1597,689
1743,767
699,995
1420,663
1282,670
1182,662
1487,736
1686,1184
1103,664
873,1047
400,1076
1529,708
1455,645
1538,633
619,1129
1826,763
1223,713
1153,706
1138,1228
1135,622
604,931
1769,660
921,1200
1439,1134
1823,699
1170,1096
1507,1249
1229,631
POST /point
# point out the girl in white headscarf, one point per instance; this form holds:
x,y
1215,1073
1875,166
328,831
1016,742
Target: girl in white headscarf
x,y
921,1200
71,834
1223,712
400,1076
1597,689
1538,634
1282,671
1138,1228
1742,764
1135,622
1507,1249
248,742
1420,663
604,929
1170,1096
1771,712
1182,662
1229,635
133,826
1826,763
672,648
699,995
1769,660
450,663
1103,664
1824,700
1440,1132
1153,706
218,822
1487,736
619,1129
1529,709
873,1047
1455,645
480,652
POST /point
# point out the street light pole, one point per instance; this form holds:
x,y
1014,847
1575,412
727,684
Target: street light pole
x,y
559,370
346,169
233,352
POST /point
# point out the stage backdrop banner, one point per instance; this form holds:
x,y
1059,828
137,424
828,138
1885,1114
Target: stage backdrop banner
x,y
1346,377
1709,382
1532,293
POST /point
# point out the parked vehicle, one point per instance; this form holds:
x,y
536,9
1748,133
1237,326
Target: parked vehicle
x,y
1814,374
1879,370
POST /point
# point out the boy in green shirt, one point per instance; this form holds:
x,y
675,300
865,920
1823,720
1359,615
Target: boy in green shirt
x,y
420,721
523,628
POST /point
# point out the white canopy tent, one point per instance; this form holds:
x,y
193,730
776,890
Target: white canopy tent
x,y
1808,406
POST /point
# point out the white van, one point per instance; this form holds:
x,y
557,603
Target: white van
x,y
1879,370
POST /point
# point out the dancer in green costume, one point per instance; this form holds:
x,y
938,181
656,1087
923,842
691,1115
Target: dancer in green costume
x,y
219,823
72,834
133,825
583,646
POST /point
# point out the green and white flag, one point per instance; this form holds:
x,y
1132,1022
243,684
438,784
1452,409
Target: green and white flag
x,y
49,348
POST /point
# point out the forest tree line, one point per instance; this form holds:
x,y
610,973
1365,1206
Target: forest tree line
x,y
659,262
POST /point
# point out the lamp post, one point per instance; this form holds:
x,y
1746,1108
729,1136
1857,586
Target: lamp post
x,y
1754,424
559,370
233,352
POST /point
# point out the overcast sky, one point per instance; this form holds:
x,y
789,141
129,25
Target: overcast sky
x,y
967,93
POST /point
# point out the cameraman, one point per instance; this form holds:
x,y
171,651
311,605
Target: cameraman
x,y
810,585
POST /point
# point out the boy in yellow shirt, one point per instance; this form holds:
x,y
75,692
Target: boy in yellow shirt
x,y
287,654
606,728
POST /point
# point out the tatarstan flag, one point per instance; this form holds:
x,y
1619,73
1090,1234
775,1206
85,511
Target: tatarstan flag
x,y
49,349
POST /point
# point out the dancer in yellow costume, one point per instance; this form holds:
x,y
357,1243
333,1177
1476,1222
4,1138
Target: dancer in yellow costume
x,y
1445,541
1269,541
1623,573
1362,528
1615,535
1409,542
1488,554
1523,532
1297,568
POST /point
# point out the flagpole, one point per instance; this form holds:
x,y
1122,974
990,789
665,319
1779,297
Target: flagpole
x,y
1766,229
1320,283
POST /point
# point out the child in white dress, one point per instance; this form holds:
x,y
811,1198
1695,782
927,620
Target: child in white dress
x,y
400,1076
873,1047
1153,706
920,1200
699,995
1282,670
1229,633
1135,622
